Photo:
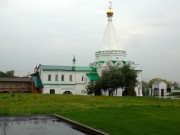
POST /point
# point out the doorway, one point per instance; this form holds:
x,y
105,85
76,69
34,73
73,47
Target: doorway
x,y
162,92
52,91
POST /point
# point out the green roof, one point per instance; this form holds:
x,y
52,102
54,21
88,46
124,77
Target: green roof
x,y
37,82
55,67
66,68
85,69
93,76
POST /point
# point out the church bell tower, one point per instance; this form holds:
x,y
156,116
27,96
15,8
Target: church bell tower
x,y
110,51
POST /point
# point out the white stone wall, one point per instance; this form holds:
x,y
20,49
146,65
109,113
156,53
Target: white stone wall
x,y
110,55
44,77
120,91
58,89
81,89
76,86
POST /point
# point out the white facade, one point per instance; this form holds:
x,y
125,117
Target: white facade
x,y
60,81
159,88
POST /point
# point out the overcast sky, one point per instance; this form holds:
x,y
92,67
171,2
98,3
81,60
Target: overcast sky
x,y
36,32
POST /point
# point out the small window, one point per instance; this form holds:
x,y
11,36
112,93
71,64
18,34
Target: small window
x,y
49,77
56,77
70,78
62,77
52,91
82,79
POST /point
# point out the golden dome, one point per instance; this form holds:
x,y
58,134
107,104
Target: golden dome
x,y
110,12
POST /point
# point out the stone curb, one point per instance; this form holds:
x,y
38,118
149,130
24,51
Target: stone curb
x,y
80,127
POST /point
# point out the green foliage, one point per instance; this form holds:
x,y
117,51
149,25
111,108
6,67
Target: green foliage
x,y
2,74
130,80
9,73
90,88
129,91
94,88
113,78
175,84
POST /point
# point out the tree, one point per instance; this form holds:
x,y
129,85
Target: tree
x,y
94,88
90,87
10,73
130,81
2,74
175,84
113,78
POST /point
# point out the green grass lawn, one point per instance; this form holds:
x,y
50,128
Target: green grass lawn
x,y
114,115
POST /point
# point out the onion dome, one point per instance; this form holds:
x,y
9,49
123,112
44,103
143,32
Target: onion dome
x,y
110,12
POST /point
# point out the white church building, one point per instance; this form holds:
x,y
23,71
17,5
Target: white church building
x,y
57,79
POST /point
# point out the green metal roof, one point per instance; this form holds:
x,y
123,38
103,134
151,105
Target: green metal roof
x,y
88,69
67,68
37,82
93,76
55,67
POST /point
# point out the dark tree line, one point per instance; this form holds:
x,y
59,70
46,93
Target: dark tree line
x,y
113,78
9,73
